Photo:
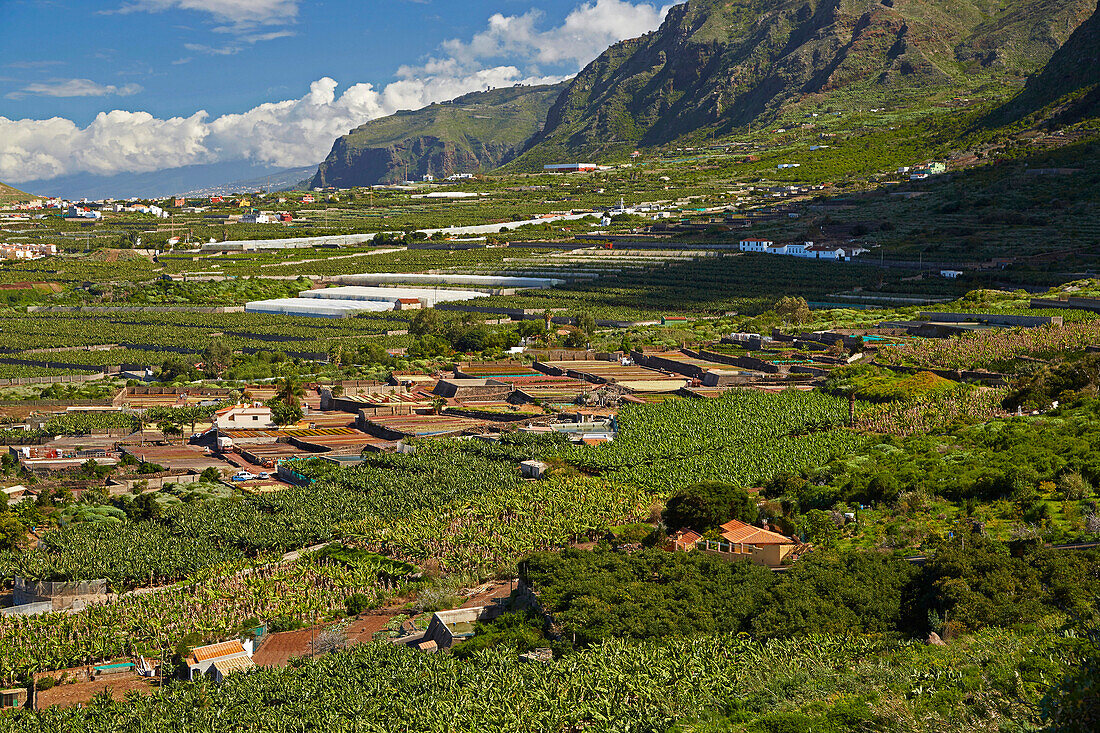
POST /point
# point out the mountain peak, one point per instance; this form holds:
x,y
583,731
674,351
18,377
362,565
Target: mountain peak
x,y
476,131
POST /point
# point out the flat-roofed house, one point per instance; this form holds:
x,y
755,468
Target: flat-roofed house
x,y
244,417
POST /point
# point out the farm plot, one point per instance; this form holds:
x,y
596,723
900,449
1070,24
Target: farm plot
x,y
743,437
396,427
611,372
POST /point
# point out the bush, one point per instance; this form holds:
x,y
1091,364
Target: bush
x,y
284,623
44,683
705,506
356,604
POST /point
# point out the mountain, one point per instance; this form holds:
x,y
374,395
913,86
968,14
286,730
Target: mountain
x,y
715,65
9,194
1073,71
473,132
158,184
276,180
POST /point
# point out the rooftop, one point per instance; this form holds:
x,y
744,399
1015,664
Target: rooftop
x,y
214,651
737,532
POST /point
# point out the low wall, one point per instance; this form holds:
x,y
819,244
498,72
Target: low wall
x,y
996,319
744,362
123,486
1085,304
134,309
692,371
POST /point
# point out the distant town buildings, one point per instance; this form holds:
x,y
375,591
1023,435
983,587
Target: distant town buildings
x,y
804,250
81,212
932,169
9,251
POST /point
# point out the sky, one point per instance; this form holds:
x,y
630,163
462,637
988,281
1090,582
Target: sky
x,y
104,87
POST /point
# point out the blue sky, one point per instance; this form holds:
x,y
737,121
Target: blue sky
x,y
114,86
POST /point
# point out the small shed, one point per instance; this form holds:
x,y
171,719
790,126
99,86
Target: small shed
x,y
204,659
533,469
16,697
222,668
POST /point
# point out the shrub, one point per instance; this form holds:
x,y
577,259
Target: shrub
x,y
707,505
356,604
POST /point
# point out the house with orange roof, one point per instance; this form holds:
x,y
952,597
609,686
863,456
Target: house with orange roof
x,y
740,541
685,540
219,660
760,545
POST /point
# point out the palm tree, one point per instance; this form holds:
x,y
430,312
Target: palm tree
x,y
289,389
169,428
141,422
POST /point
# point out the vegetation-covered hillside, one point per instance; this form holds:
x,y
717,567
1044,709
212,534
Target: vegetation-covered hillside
x,y
716,66
476,131
9,194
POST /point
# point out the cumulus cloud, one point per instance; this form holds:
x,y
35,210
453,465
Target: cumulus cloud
x,y
299,132
75,88
291,133
589,29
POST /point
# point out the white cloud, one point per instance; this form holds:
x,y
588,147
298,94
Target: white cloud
x,y
296,132
75,88
299,132
239,14
589,29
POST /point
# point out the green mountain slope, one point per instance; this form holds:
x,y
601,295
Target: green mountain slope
x,y
475,131
9,194
1072,77
715,65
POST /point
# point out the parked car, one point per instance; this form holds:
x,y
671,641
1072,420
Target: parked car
x,y
263,475
243,476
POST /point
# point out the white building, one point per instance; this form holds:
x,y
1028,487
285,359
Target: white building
x,y
10,251
755,245
244,417
80,212
950,274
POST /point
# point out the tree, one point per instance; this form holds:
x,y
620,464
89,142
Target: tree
x,y
425,322
176,367
142,420
586,323
575,340
288,390
284,414
11,533
793,310
1073,487
707,505
218,357
169,428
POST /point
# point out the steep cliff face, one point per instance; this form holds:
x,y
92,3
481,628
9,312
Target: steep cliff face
x,y
474,132
1071,77
719,64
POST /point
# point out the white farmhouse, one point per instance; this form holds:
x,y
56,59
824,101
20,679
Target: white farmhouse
x,y
244,417
755,245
